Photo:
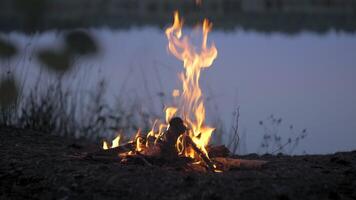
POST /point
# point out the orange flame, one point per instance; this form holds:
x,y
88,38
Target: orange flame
x,y
192,106
170,112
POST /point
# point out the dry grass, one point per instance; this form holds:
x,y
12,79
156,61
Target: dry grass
x,y
59,110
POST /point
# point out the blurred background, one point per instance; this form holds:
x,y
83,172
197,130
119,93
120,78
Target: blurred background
x,y
285,69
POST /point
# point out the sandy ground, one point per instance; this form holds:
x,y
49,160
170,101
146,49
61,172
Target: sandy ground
x,y
35,165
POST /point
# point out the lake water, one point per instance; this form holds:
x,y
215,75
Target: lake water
x,y
308,79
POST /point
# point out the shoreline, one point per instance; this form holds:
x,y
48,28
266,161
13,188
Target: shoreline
x,y
37,165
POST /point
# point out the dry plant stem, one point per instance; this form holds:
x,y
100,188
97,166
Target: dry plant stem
x,y
280,148
235,140
207,161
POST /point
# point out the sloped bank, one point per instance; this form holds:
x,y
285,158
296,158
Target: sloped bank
x,y
35,165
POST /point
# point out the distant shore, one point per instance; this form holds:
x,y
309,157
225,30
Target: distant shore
x,y
258,15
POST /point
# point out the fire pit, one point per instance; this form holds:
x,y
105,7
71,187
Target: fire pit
x,y
166,152
183,140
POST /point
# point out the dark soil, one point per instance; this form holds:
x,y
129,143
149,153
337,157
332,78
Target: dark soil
x,y
34,165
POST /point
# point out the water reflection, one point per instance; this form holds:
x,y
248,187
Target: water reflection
x,y
307,79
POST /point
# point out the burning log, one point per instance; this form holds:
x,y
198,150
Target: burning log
x,y
201,154
170,137
102,153
176,129
115,154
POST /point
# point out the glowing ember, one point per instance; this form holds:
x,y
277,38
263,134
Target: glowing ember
x,y
175,93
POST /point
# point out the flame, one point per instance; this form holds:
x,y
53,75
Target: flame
x,y
105,145
192,107
115,143
170,112
140,145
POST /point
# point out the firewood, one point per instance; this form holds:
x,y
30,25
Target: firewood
x,y
168,142
142,157
113,151
164,151
168,146
194,167
201,154
233,163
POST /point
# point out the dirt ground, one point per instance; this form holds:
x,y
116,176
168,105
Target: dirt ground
x,y
35,165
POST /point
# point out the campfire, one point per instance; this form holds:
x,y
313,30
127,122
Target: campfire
x,y
183,139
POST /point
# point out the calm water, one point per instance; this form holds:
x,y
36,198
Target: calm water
x,y
307,79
